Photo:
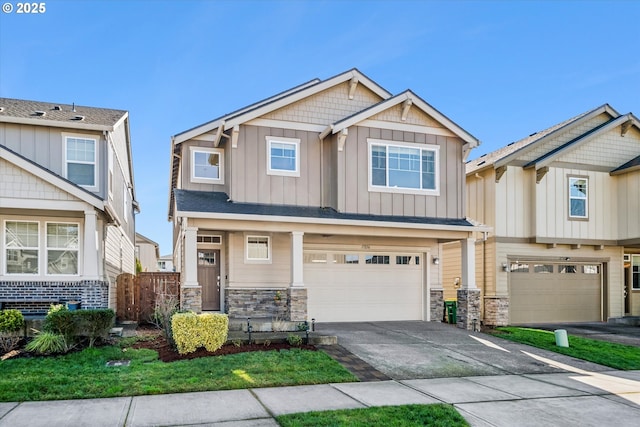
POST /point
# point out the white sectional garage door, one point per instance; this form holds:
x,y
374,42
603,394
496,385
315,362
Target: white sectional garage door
x,y
544,292
350,287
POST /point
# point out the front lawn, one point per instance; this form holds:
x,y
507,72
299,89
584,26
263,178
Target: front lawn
x,y
618,356
438,415
84,374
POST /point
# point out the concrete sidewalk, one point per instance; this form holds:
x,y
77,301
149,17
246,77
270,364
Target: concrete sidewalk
x,y
563,398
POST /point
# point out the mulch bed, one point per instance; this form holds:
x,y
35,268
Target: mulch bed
x,y
166,353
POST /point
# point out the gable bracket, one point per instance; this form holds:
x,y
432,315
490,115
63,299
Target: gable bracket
x,y
406,105
352,87
342,138
625,127
216,139
499,172
234,136
540,173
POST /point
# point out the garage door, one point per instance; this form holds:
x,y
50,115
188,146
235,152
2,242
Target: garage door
x,y
546,292
349,286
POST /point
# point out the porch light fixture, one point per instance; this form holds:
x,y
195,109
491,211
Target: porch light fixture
x,y
436,260
505,267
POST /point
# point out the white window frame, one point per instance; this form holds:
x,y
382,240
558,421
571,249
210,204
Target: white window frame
x,y
250,260
111,177
573,178
291,141
386,188
635,274
47,248
204,180
95,162
125,197
6,248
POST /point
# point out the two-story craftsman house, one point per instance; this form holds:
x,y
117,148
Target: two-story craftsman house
x,y
67,204
326,201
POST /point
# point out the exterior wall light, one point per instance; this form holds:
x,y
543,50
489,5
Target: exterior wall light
x,y
505,267
436,260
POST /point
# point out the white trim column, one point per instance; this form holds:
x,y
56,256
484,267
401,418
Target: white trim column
x,y
90,256
190,267
468,278
297,259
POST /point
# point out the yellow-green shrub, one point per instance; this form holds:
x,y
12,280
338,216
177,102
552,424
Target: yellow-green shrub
x,y
192,331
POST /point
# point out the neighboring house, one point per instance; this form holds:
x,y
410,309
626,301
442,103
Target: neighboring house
x,y
165,263
564,205
326,201
147,252
67,204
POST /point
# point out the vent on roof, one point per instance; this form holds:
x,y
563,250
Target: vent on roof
x,y
40,113
483,155
481,163
78,118
509,145
57,108
533,133
1,109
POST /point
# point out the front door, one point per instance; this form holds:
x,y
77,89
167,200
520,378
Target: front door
x,y
209,278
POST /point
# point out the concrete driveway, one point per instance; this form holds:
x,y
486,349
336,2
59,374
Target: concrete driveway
x,y
411,350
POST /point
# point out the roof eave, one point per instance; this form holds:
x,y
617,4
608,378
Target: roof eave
x,y
55,123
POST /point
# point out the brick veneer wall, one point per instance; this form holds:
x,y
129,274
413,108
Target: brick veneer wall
x,y
468,308
496,311
436,304
33,295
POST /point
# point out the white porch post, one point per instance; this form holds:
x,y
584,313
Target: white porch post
x,y
90,248
468,278
190,267
297,276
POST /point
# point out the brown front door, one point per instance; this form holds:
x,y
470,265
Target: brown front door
x,y
209,279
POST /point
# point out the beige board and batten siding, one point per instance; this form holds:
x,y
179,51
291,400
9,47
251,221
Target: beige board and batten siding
x,y
259,274
481,197
628,194
353,177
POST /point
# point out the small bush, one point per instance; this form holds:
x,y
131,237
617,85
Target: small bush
x,y
48,343
294,340
11,320
94,324
61,322
165,307
192,331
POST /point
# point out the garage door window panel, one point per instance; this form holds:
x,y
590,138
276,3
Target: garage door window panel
x,y
407,260
517,267
543,268
346,259
567,269
315,258
591,269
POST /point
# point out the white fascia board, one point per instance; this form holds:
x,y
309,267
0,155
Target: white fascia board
x,y
285,99
332,221
613,124
52,179
52,205
55,123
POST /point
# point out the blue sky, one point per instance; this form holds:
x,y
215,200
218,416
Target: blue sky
x,y
500,69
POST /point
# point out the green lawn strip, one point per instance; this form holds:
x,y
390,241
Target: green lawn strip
x,y
618,356
84,375
438,415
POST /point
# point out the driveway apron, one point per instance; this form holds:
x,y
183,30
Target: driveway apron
x,y
415,349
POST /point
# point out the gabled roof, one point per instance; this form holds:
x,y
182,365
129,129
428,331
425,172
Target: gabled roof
x,y
630,166
59,115
48,176
287,97
412,99
506,154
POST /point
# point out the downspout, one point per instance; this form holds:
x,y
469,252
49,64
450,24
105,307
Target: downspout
x,y
321,172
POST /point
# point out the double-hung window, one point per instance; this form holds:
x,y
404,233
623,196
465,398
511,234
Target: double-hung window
x,y
403,168
62,248
21,242
283,156
81,161
207,165
578,197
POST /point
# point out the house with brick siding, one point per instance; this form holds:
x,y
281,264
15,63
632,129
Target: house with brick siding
x,y
563,204
328,201
67,202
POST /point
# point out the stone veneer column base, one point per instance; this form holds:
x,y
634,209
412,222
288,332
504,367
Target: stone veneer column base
x,y
191,299
297,304
496,311
258,302
468,311
436,305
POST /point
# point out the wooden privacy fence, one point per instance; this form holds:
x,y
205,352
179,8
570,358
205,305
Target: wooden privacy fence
x,y
136,297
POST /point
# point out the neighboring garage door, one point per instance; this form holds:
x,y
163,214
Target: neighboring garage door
x,y
349,286
545,292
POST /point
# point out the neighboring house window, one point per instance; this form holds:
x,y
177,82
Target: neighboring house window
x,y
62,248
635,272
578,197
80,159
258,248
283,156
21,247
207,165
402,167
162,265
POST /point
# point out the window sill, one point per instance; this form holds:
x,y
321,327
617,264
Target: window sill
x,y
398,190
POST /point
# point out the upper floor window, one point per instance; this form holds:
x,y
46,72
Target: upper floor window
x,y
403,168
207,165
81,161
578,197
283,156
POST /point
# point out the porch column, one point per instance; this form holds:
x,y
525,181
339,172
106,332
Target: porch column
x,y
297,276
90,246
191,291
468,313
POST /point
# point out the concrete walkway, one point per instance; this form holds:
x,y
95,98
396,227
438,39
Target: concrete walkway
x,y
558,399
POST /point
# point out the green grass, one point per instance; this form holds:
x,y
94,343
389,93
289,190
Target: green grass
x,y
439,415
618,356
84,375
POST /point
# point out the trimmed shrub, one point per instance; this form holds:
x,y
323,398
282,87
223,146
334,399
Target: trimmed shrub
x,y
61,322
192,331
11,320
94,324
